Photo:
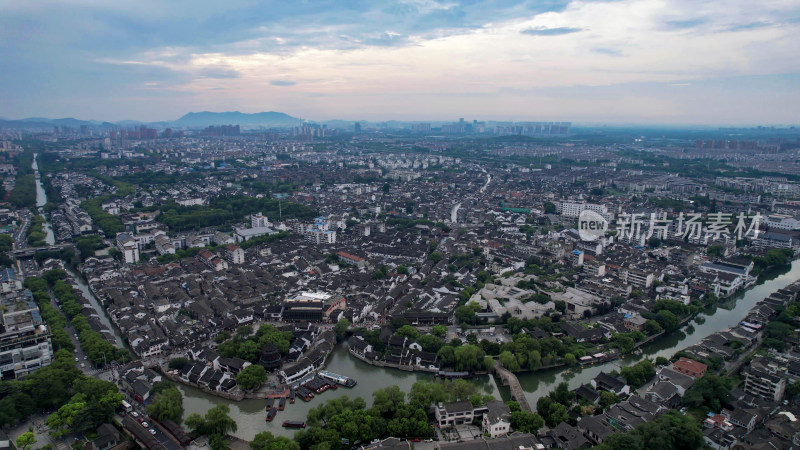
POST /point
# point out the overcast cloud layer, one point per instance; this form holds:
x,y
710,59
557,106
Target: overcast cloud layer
x,y
646,61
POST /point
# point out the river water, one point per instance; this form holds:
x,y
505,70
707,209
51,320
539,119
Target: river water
x,y
84,288
41,199
724,316
454,213
250,414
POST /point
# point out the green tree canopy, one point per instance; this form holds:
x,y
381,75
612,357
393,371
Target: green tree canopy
x,y
167,405
251,377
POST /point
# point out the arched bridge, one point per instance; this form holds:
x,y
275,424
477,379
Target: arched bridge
x,y
510,380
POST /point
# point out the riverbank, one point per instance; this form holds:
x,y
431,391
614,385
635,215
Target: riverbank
x,y
613,355
250,413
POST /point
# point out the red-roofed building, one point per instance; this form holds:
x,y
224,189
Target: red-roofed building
x,y
351,259
690,367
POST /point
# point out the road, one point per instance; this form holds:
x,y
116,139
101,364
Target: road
x,y
152,427
20,234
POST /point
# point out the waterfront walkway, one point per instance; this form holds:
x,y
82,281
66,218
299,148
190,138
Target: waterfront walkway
x,y
510,380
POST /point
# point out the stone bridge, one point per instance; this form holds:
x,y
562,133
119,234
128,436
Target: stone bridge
x,y
510,380
30,251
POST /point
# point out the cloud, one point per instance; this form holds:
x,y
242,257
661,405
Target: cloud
x,y
685,24
748,26
381,55
608,51
557,31
218,72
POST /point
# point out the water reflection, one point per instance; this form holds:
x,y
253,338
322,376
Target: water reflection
x,y
250,414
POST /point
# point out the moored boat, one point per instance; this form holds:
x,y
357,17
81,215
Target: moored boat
x,y
294,424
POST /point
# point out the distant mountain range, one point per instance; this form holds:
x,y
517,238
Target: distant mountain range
x,y
206,118
191,120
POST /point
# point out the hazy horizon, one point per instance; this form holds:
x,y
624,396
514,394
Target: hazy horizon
x,y
579,124
642,62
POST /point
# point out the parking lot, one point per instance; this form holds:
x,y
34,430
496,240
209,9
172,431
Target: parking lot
x,y
465,432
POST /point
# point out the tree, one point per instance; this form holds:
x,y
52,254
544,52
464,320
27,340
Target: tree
x,y
430,343
667,320
267,441
61,421
341,328
439,330
638,374
215,422
222,337
652,327
53,275
526,422
509,361
244,331
178,363
570,360
435,257
167,405
386,401
608,398
408,331
425,393
711,392
556,414
26,440
468,357
251,377
562,394
793,389
467,314
671,430
623,342
534,360
218,442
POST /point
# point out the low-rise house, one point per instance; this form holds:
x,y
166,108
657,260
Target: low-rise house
x,y
457,413
605,382
497,419
690,367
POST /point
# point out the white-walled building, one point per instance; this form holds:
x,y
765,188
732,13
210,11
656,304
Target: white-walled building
x,y
129,248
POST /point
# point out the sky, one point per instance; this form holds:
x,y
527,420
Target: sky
x,y
696,62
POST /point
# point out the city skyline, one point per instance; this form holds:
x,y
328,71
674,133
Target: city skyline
x,y
645,62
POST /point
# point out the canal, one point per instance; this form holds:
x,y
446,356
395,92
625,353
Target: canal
x,y
41,199
84,288
250,414
725,315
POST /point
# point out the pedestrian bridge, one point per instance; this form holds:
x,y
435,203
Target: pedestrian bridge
x,y
510,380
